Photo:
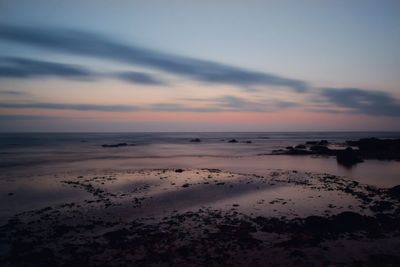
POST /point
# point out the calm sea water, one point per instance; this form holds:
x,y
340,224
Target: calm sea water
x,y
35,153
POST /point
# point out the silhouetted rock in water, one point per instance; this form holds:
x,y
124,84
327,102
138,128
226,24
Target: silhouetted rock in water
x,y
295,151
310,148
394,192
195,140
348,157
374,148
232,141
117,145
248,142
311,142
292,151
322,150
319,143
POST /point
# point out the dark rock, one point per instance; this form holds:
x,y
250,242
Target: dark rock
x,y
298,254
375,148
319,143
179,170
383,260
381,206
316,224
350,221
117,145
232,141
295,151
312,143
394,192
348,157
300,146
321,150
195,140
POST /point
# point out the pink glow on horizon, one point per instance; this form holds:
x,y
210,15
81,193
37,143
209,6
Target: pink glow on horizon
x,y
280,119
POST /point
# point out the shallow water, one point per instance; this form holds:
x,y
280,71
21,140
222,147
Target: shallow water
x,y
69,191
40,153
33,164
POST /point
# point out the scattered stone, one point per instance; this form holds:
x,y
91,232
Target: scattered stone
x,y
117,145
394,192
321,150
348,157
374,148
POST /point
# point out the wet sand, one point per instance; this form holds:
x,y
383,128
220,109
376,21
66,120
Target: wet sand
x,y
198,217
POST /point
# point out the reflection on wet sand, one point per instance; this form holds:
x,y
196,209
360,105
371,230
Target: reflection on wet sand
x,y
206,217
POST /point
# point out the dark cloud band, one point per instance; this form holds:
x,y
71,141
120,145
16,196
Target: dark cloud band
x,y
11,67
87,44
362,101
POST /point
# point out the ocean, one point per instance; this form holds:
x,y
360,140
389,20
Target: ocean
x,y
24,154
160,190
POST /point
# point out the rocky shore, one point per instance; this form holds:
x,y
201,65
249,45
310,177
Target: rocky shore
x,y
351,152
145,218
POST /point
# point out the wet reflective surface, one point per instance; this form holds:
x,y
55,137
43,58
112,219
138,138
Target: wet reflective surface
x,y
207,203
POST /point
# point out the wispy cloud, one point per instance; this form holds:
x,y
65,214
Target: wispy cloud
x,y
23,68
80,107
220,104
88,44
12,93
234,103
12,67
140,77
356,100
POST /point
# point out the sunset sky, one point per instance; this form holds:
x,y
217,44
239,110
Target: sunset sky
x,y
199,65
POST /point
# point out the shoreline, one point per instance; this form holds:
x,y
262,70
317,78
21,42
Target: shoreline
x,y
243,212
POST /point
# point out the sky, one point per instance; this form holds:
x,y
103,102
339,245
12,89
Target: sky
x,y
111,66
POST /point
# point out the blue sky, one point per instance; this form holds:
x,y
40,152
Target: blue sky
x,y
215,65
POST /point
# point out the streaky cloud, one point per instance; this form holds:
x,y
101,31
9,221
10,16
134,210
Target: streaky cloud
x,y
172,107
13,67
16,117
80,107
92,45
356,100
234,103
24,68
12,93
220,104
140,78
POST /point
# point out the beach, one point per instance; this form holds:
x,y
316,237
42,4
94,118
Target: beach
x,y
194,199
